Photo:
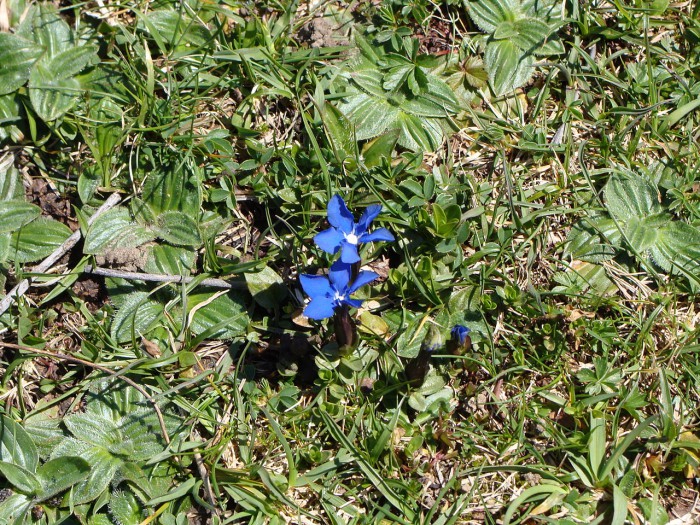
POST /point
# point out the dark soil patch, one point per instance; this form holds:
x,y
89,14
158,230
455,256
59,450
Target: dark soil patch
x,y
52,203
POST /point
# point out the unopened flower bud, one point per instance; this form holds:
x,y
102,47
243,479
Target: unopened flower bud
x,y
345,330
461,341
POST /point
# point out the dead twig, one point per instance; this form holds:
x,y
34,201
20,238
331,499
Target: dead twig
x,y
164,278
21,288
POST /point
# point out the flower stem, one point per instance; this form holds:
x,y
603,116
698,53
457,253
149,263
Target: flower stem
x,y
345,330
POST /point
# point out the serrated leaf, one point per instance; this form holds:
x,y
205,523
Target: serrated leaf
x,y
488,14
593,239
677,246
267,288
57,475
37,240
371,115
15,214
17,56
177,228
170,260
223,318
631,196
529,34
135,316
508,67
419,134
93,429
20,478
114,229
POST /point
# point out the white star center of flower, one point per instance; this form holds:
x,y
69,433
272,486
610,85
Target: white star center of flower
x,y
351,238
339,296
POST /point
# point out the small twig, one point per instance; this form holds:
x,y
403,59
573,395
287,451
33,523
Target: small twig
x,y
163,278
208,492
65,357
21,288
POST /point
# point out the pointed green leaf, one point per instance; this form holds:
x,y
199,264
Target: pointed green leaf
x,y
508,67
10,181
125,509
15,508
37,240
380,148
677,246
170,260
51,96
135,317
20,478
529,34
17,56
488,14
59,474
267,288
340,131
15,214
223,318
631,196
47,28
114,229
177,228
94,429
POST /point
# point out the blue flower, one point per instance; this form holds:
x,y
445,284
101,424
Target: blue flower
x,y
460,333
328,293
346,234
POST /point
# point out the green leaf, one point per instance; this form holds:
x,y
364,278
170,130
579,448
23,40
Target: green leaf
x,y
593,239
15,214
223,318
15,508
267,288
177,228
20,478
59,474
631,196
508,67
10,181
135,317
340,131
9,114
70,62
488,14
174,28
170,260
619,506
419,134
172,186
114,229
17,56
529,34
677,246
51,96
125,509
380,148
48,29
371,115
37,240
93,429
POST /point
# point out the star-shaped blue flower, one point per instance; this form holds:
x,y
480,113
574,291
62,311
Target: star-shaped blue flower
x,y
346,234
328,293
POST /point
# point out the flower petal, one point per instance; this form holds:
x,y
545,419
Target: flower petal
x,y
329,240
316,285
380,234
362,279
367,217
339,215
355,303
319,308
349,254
340,276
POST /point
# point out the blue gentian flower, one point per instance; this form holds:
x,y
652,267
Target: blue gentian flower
x,y
328,293
460,333
346,234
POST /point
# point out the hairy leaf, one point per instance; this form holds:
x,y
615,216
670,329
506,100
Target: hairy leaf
x,y
508,66
114,229
488,14
37,239
17,56
57,475
135,316
20,478
15,214
223,318
631,196
177,228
